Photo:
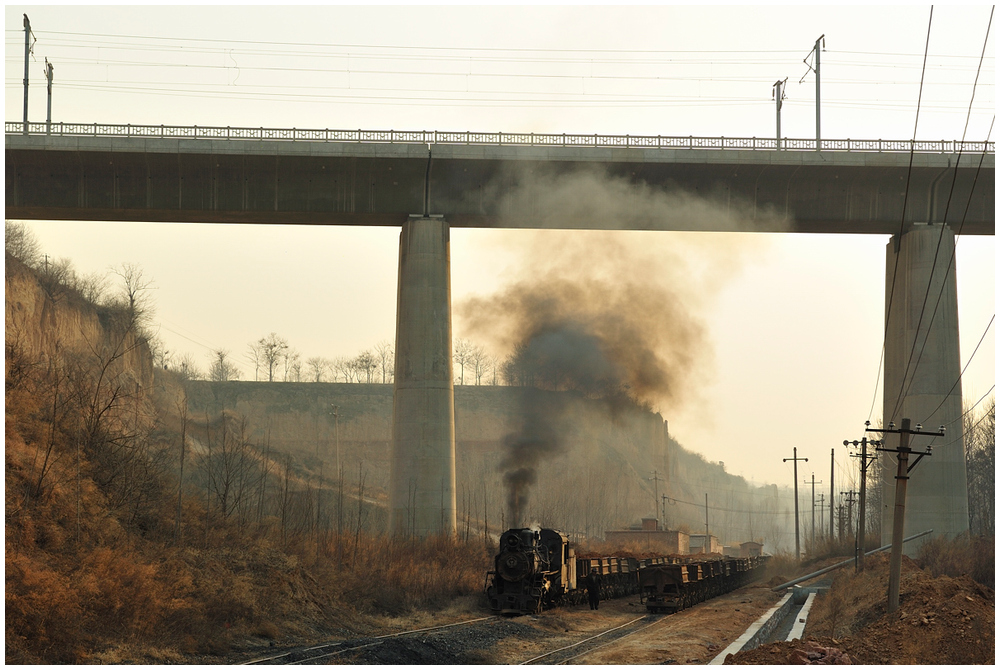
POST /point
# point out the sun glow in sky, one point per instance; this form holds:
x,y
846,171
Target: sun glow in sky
x,y
795,322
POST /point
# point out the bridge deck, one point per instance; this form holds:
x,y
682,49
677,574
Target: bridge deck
x,y
717,185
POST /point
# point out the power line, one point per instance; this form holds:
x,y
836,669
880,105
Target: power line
x,y
906,195
231,92
937,250
972,407
967,363
672,500
404,100
966,431
749,79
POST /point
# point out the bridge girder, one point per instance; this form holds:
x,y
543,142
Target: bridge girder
x,y
323,183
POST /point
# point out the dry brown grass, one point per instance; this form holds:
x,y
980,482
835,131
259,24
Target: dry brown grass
x,y
961,555
95,578
396,576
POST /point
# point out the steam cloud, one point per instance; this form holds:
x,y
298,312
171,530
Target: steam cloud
x,y
608,316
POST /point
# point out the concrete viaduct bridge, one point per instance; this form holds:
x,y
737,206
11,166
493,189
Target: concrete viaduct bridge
x,y
922,194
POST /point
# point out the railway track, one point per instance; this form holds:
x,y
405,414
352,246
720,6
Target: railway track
x,y
591,644
331,650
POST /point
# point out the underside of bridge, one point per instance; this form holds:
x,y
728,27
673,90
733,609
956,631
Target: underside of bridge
x,y
356,184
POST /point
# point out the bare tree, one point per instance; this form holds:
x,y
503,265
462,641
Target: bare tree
x,y
267,352
161,356
187,368
93,287
182,412
494,369
116,414
980,447
386,357
293,366
56,277
463,356
255,355
222,368
479,360
21,243
135,298
318,367
367,364
231,467
284,503
344,367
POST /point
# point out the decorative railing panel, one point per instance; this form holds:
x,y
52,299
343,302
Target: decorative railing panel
x,y
494,139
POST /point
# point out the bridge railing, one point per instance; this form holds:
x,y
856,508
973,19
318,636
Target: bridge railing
x,y
495,139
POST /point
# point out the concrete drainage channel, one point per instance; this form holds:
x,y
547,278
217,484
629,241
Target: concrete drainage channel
x,y
785,621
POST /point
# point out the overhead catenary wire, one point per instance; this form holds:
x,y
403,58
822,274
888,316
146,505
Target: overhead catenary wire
x,y
236,93
459,55
426,47
165,43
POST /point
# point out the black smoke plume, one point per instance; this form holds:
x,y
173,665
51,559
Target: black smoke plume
x,y
609,316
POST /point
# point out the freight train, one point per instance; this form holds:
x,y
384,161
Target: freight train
x,y
537,569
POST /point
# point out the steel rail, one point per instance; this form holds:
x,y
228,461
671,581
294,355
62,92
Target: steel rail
x,y
610,642
833,567
377,639
576,644
689,142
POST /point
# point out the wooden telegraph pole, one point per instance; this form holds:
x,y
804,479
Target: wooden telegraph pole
x,y
795,474
902,475
831,495
812,537
866,460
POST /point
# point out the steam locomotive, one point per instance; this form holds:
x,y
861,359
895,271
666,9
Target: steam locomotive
x,y
537,569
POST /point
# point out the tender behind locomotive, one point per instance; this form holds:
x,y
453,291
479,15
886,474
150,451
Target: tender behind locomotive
x,y
534,570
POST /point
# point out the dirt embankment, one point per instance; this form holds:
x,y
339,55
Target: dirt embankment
x,y
940,620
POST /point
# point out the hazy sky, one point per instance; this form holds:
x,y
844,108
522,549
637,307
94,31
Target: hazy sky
x,y
794,321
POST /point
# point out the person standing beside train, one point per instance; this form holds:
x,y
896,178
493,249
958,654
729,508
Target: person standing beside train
x,y
593,584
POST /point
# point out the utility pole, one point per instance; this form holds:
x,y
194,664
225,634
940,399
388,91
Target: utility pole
x,y
779,95
48,110
336,433
707,543
831,494
902,475
849,496
816,49
812,540
822,505
859,539
795,473
27,52
656,495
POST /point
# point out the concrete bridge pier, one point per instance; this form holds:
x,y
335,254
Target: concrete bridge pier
x,y
422,477
937,492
